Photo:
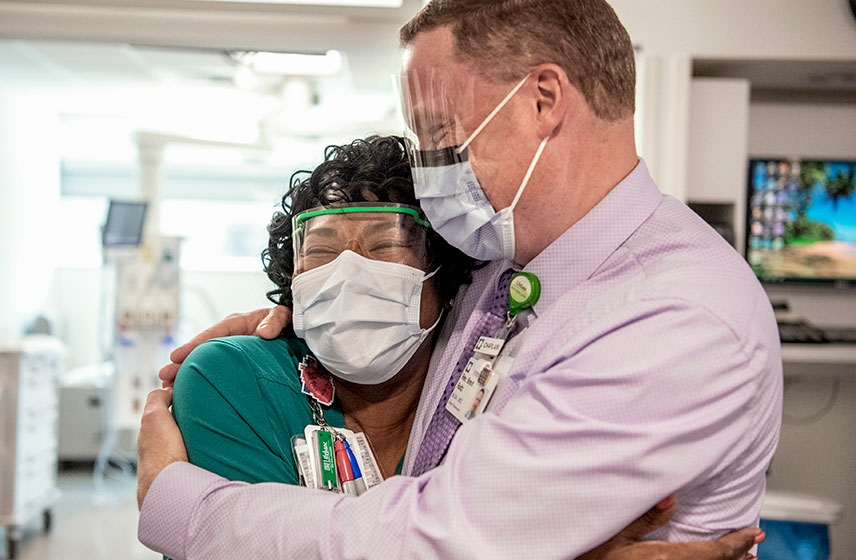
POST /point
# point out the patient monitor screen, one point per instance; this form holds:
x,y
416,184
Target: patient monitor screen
x,y
801,220
124,227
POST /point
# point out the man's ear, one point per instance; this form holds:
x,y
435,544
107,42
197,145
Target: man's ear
x,y
554,95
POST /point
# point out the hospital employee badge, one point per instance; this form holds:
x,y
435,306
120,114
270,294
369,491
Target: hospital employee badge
x,y
488,367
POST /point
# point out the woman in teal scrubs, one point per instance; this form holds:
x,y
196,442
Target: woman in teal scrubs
x,y
238,400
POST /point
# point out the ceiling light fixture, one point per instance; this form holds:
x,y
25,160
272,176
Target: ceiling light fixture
x,y
290,64
356,3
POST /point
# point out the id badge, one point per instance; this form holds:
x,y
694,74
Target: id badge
x,y
322,458
473,390
501,368
366,459
489,346
359,443
301,453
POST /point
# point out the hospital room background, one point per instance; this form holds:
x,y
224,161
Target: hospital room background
x,y
144,145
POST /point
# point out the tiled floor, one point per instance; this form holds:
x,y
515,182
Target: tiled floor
x,y
88,524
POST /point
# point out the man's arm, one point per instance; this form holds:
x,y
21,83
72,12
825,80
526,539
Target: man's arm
x,y
581,450
263,542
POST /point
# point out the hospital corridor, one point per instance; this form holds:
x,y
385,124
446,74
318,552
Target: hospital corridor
x,y
489,278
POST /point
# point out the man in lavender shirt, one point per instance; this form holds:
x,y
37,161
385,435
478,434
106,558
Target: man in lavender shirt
x,y
649,366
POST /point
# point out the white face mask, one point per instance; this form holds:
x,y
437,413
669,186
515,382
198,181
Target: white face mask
x,y
360,317
456,206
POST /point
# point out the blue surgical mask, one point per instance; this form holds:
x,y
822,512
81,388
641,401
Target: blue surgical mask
x,y
454,201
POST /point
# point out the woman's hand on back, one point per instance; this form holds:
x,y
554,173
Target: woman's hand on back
x,y
265,323
629,544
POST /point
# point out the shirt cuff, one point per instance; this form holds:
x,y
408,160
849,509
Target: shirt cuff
x,y
167,511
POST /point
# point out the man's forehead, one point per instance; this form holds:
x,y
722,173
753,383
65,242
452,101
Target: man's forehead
x,y
429,48
428,61
436,87
433,94
425,80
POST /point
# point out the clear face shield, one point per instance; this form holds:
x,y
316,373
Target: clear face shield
x,y
394,233
435,112
442,118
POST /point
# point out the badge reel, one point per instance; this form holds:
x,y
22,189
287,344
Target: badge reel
x,y
328,458
487,366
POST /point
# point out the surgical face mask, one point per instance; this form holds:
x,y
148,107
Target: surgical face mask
x,y
360,317
455,204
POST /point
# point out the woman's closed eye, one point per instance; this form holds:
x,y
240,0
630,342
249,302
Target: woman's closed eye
x,y
320,250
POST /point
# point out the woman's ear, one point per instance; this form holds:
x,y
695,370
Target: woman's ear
x,y
553,97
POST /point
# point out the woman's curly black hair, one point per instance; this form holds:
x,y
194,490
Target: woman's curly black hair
x,y
375,169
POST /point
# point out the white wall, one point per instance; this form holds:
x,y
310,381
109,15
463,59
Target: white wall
x,y
776,29
803,130
29,199
673,32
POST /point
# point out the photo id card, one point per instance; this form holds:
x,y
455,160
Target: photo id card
x,y
473,390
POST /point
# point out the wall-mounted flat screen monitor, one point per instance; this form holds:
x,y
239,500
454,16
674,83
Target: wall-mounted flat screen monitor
x,y
124,227
801,220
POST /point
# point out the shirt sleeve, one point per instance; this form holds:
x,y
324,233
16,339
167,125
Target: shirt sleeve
x,y
658,396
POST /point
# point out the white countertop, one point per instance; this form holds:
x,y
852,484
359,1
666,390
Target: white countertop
x,y
819,359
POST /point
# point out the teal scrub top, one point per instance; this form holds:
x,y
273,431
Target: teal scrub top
x,y
237,402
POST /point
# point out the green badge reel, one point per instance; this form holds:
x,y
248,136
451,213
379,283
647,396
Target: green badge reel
x,y
487,367
523,293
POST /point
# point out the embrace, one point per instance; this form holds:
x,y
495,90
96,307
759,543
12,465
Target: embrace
x,y
495,338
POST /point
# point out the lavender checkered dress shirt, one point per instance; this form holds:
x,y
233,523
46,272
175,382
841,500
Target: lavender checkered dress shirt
x,y
650,366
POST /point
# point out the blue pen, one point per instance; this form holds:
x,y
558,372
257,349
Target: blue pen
x,y
359,483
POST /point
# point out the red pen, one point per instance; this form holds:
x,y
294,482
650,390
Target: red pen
x,y
343,467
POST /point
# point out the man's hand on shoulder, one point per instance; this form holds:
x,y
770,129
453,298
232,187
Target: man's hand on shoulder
x,y
265,323
159,443
628,544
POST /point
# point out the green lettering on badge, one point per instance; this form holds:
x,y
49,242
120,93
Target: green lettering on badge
x,y
327,461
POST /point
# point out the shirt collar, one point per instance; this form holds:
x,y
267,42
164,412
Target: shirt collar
x,y
579,252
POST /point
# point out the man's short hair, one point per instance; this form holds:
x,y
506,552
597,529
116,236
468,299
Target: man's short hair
x,y
507,38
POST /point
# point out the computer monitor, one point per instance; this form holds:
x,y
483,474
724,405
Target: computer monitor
x,y
124,227
801,220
